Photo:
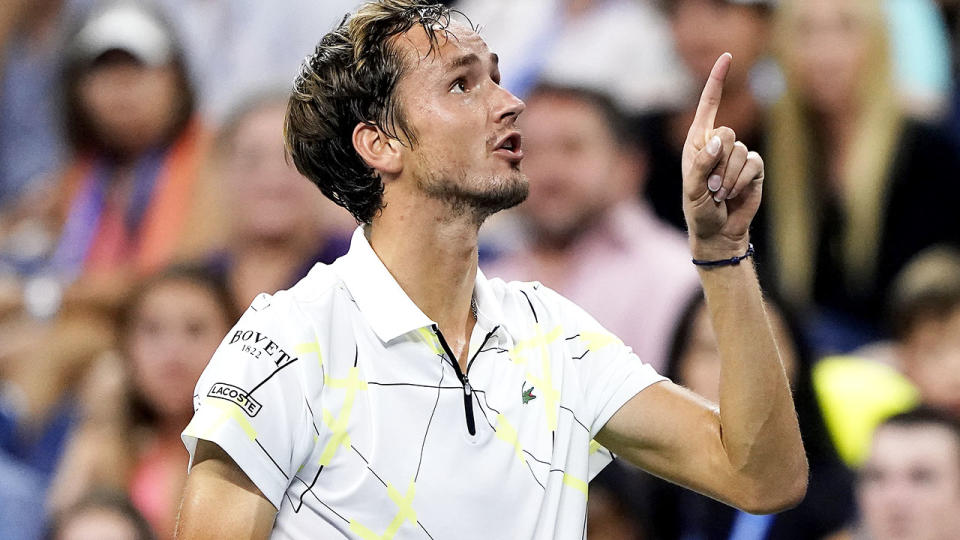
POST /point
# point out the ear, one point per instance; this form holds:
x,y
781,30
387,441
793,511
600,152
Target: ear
x,y
379,151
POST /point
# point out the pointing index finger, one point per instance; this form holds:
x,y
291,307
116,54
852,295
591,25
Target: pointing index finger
x,y
709,101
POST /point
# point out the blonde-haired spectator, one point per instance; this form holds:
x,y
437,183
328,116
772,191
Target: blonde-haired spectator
x,y
856,187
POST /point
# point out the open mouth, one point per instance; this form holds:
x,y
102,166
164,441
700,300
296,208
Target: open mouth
x,y
510,146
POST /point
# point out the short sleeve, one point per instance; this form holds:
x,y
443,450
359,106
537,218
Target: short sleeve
x,y
250,400
609,372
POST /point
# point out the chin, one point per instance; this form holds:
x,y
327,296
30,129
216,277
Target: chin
x,y
510,191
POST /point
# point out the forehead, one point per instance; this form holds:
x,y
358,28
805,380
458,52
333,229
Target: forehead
x,y
452,42
927,444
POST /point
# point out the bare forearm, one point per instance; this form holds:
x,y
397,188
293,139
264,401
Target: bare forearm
x,y
758,421
220,501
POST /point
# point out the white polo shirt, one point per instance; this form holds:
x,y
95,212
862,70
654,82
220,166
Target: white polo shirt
x,y
339,400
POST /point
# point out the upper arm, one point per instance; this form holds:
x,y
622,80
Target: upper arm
x,y
675,434
250,400
220,501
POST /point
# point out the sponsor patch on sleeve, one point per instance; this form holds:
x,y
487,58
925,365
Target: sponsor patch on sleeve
x,y
237,396
259,345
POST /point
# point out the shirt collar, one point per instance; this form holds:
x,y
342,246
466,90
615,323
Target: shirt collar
x,y
386,306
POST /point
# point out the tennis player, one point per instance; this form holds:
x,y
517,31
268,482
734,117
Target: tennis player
x,y
398,393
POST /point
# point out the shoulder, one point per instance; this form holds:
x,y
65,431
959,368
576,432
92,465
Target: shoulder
x,y
531,303
290,316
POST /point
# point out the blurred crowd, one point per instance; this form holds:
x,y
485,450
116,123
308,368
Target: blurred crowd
x,y
145,200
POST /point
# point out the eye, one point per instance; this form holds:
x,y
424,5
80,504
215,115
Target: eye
x,y
459,86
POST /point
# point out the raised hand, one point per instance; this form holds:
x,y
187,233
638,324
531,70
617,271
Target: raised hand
x,y
722,179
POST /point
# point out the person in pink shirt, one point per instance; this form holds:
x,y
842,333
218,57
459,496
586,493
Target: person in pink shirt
x,y
586,234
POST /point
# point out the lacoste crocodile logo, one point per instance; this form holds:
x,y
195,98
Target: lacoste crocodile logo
x,y
527,394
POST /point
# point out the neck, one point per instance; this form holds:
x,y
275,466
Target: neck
x,y
433,259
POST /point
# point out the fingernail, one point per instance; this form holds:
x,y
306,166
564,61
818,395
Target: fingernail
x,y
714,183
713,147
721,195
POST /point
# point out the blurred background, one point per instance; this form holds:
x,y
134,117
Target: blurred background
x,y
145,200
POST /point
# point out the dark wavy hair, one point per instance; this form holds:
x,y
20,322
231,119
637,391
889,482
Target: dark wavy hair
x,y
351,79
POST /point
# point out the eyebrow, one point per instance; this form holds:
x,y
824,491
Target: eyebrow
x,y
469,60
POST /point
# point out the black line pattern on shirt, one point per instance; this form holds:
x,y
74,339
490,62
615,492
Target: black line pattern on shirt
x,y
430,421
483,411
498,350
327,506
484,394
584,537
271,459
575,417
571,337
582,355
310,489
250,393
537,480
430,386
535,458
535,319
377,476
359,454
425,530
313,417
524,450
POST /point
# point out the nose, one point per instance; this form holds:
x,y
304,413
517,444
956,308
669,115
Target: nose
x,y
510,106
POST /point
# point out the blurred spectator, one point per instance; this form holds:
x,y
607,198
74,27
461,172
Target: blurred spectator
x,y
828,506
587,235
925,310
120,206
237,47
277,223
909,488
921,364
621,47
703,30
854,187
130,439
101,515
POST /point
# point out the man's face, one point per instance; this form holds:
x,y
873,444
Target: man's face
x,y
910,486
578,169
467,150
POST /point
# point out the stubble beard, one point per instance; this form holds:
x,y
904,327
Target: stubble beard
x,y
476,199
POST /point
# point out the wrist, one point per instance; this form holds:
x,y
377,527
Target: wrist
x,y
718,249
